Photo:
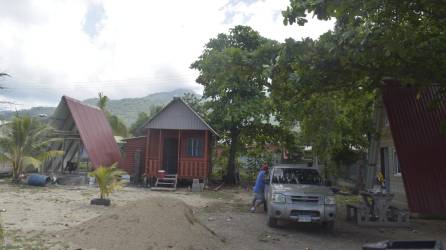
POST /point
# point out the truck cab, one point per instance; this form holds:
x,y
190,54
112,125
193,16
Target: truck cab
x,y
296,192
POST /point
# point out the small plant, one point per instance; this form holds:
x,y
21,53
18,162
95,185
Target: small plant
x,y
108,180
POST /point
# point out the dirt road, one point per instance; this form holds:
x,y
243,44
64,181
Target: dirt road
x,y
38,218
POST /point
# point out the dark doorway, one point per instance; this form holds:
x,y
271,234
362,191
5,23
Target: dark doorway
x,y
170,155
138,168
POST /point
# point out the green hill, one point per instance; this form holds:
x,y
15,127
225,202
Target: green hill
x,y
127,109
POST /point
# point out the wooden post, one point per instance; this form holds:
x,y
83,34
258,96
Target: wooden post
x,y
206,149
63,157
179,151
147,154
160,153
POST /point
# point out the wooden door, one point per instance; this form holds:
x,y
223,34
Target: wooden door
x,y
170,155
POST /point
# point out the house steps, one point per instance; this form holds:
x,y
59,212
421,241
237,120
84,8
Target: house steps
x,y
168,183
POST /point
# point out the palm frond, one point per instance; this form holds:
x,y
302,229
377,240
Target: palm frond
x,y
31,161
4,158
49,155
108,179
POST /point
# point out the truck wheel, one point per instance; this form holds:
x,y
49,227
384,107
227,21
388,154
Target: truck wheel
x,y
329,225
270,221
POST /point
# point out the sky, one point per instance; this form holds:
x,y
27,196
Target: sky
x,y
124,49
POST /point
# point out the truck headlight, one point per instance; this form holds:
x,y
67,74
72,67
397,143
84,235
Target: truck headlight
x,y
278,198
330,200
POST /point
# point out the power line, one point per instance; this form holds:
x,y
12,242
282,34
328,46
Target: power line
x,y
24,82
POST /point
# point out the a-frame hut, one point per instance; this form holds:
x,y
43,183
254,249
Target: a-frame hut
x,y
86,137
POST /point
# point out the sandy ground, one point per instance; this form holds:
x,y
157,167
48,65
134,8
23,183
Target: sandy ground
x,y
61,218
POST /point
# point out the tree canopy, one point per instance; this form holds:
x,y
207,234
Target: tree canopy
x,y
234,73
373,40
142,118
306,91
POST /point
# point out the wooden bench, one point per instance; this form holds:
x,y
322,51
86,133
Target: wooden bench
x,y
361,215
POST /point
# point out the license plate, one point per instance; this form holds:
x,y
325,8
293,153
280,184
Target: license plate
x,y
304,218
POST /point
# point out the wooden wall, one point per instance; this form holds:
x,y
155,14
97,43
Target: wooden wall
x,y
188,167
130,148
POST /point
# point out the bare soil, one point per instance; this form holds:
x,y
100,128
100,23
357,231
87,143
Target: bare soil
x,y
62,218
158,223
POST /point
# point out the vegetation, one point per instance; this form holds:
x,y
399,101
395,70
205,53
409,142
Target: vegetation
x,y
327,86
195,102
108,179
234,78
377,39
127,109
117,125
25,142
142,118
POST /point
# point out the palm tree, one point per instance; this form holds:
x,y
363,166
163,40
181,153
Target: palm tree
x,y
102,101
25,142
116,124
108,179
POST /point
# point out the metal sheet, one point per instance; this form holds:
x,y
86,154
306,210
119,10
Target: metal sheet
x,y
178,115
95,132
420,145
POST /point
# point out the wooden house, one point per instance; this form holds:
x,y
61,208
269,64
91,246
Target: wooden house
x,y
177,140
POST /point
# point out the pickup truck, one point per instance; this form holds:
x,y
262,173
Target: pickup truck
x,y
297,193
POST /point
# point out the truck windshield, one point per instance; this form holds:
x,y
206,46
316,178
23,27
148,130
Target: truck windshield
x,y
296,176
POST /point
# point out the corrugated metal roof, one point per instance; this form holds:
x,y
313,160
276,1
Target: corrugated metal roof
x,y
95,132
420,145
178,115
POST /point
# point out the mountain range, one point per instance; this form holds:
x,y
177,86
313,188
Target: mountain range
x,y
127,109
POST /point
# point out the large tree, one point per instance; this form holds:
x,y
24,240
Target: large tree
x,y
338,74
234,73
307,91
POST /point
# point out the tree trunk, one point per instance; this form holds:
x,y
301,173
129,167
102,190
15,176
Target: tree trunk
x,y
15,173
231,177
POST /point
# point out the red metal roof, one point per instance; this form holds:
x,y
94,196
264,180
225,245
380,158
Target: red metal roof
x,y
95,132
420,145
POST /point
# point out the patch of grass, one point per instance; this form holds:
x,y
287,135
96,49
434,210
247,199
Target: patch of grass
x,y
347,199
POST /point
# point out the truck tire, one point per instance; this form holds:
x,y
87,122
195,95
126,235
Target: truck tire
x,y
270,221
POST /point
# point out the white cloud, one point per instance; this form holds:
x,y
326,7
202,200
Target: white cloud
x,y
50,47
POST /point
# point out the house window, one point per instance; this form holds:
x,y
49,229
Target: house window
x,y
195,147
396,163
